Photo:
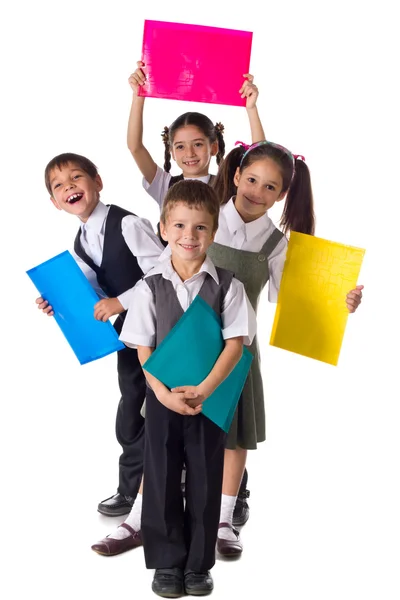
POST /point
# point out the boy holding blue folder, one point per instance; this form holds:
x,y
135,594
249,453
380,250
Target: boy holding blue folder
x,y
180,543
113,248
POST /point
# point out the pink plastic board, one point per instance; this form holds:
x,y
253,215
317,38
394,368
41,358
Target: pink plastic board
x,y
194,62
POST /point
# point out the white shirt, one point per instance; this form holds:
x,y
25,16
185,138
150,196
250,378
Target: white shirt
x,y
139,329
235,233
158,188
138,235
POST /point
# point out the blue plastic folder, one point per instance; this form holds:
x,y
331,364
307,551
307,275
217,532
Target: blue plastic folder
x,y
187,355
61,282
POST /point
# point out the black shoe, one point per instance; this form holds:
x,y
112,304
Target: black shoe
x,y
241,512
168,583
116,505
198,584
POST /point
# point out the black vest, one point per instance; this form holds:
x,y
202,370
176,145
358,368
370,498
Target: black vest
x,y
119,269
172,181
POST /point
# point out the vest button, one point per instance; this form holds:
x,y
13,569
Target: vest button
x,y
261,257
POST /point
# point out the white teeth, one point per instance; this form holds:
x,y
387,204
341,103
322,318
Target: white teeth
x,y
74,197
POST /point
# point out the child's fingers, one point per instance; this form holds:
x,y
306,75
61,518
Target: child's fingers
x,y
139,77
249,77
139,63
183,388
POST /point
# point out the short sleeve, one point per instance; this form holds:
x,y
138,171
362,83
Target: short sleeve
x,y
139,328
238,317
158,188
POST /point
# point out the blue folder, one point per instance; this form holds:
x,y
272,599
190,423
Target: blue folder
x,y
187,355
61,282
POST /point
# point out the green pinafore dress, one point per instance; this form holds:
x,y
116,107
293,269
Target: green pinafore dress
x,y
251,268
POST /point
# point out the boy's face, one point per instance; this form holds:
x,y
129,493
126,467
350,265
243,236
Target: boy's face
x,y
188,231
74,191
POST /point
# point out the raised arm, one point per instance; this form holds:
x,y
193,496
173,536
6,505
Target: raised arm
x,y
250,92
140,154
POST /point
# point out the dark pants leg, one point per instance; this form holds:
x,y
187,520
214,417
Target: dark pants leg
x,y
129,423
204,457
172,537
162,511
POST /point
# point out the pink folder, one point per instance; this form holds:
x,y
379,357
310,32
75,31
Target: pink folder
x,y
194,62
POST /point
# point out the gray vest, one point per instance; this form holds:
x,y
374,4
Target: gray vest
x,y
168,308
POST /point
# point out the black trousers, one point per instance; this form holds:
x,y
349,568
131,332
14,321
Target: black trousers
x,y
174,535
130,423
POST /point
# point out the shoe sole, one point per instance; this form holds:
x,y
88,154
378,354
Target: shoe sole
x,y
114,553
194,593
170,595
114,513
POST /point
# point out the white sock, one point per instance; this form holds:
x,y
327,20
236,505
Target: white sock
x,y
134,520
226,516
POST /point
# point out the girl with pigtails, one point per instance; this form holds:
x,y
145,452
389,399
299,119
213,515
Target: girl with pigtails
x,y
249,182
191,141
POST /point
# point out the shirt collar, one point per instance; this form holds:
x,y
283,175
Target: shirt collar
x,y
235,222
165,268
96,220
204,178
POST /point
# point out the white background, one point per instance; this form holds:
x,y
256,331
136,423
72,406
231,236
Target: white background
x,y
324,486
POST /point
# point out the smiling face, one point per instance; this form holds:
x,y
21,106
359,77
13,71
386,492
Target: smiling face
x,y
259,186
74,191
188,231
192,151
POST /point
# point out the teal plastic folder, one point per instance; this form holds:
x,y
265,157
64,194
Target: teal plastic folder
x,y
187,355
61,282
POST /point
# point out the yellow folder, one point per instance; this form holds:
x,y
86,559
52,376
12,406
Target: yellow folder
x,y
311,312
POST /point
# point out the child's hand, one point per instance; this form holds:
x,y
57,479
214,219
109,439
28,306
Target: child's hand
x,y
249,91
179,403
191,393
44,306
106,308
353,298
137,78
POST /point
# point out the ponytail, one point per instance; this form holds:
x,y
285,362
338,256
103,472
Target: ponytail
x,y
223,181
219,131
298,213
167,151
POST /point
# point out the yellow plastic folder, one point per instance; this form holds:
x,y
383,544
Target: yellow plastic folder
x,y
311,313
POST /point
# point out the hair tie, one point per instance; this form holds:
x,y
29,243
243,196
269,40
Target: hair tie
x,y
245,146
299,156
219,127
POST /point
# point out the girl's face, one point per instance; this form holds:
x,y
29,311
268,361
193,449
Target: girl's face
x,y
259,186
192,151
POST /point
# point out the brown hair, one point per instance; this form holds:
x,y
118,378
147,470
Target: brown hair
x,y
298,213
194,194
214,133
62,160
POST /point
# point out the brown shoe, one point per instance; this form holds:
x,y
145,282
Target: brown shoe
x,y
229,548
110,547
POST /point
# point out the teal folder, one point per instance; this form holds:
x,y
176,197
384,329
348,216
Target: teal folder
x,y
187,355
